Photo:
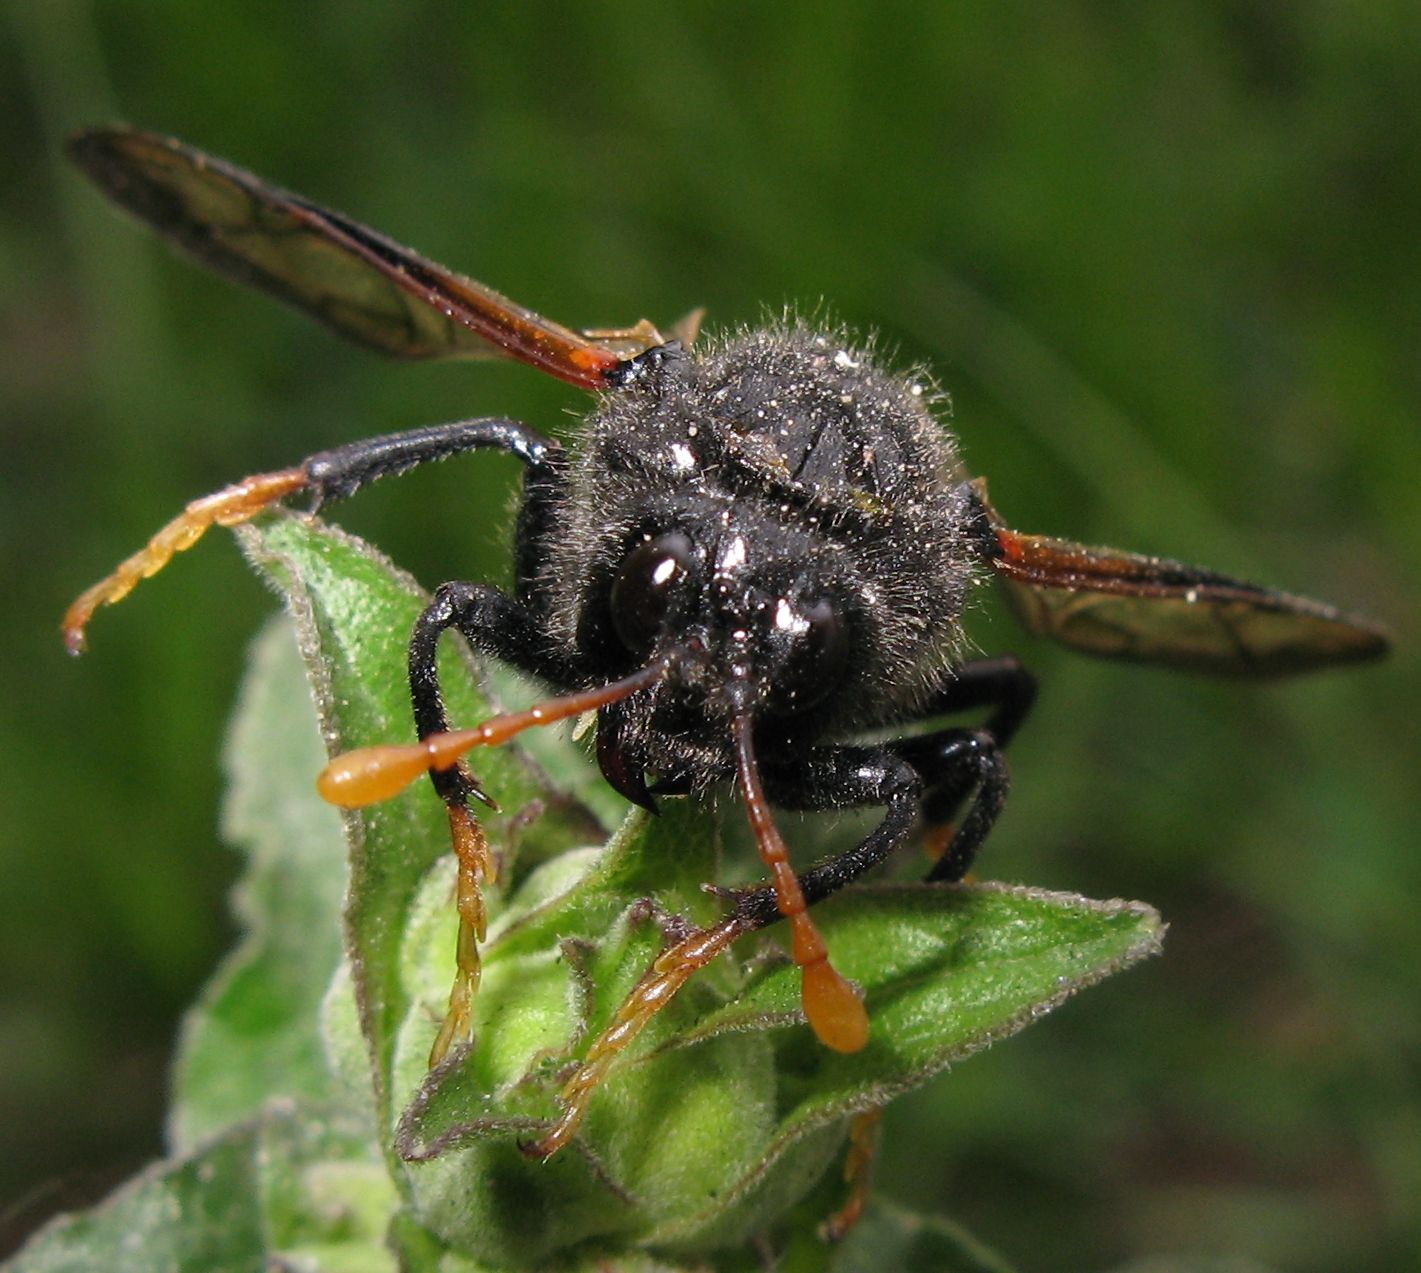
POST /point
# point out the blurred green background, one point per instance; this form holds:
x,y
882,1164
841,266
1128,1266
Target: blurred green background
x,y
1165,259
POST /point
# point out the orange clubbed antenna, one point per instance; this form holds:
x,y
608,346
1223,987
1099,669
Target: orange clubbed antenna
x,y
835,1011
369,775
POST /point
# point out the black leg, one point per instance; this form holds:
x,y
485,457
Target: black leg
x,y
955,762
331,475
339,473
544,492
946,765
494,624
839,778
497,625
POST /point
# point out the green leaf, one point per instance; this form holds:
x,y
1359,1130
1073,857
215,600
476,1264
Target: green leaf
x,y
290,1189
255,1033
946,970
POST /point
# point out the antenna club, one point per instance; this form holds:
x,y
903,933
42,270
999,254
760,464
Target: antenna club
x,y
371,774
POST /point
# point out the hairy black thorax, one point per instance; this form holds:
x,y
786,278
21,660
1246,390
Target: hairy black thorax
x,y
796,467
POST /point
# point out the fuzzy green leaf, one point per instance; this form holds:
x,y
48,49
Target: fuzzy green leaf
x,y
293,1188
255,1033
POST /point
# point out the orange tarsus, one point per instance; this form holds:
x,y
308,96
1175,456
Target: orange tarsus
x,y
230,506
475,867
653,992
858,1174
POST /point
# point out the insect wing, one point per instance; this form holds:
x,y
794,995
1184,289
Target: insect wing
x,y
1148,609
360,283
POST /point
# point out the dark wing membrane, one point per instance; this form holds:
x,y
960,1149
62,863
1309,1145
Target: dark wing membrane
x,y
360,283
1126,606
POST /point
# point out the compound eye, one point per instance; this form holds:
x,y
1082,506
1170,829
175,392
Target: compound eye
x,y
645,586
815,658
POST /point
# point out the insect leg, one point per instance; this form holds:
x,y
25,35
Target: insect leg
x,y
828,778
340,472
497,625
953,762
658,986
949,770
858,1174
327,476
840,778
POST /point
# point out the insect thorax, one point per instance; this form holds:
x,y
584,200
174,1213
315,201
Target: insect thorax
x,y
788,451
